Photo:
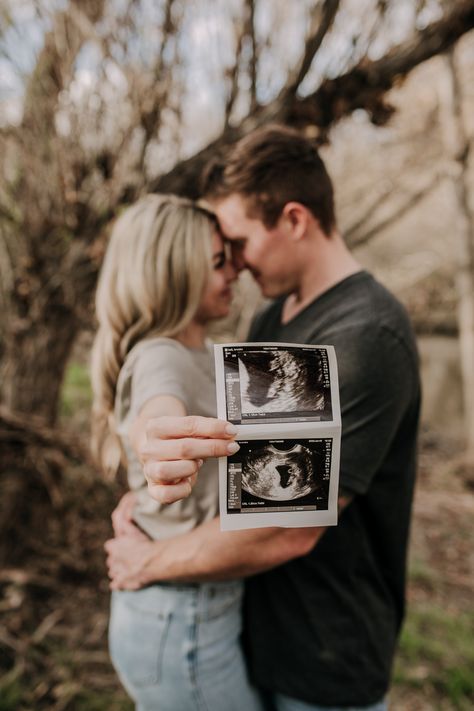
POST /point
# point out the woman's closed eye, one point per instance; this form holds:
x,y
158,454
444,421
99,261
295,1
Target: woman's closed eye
x,y
219,260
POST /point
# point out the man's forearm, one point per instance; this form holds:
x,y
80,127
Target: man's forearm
x,y
207,553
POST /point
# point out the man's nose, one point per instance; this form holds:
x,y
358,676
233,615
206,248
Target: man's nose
x,y
238,262
231,271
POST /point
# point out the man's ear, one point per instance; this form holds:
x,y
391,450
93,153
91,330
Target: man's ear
x,y
296,218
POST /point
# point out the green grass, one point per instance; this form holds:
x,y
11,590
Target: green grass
x,y
420,573
76,392
18,696
11,692
65,681
437,650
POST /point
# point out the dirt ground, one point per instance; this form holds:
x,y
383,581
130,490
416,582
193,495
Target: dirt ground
x,y
435,665
54,603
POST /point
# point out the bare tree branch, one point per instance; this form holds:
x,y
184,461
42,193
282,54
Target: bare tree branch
x,y
233,73
362,87
150,111
397,212
457,145
56,60
321,20
253,63
377,21
380,199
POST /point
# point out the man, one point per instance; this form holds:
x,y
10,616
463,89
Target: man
x,y
323,606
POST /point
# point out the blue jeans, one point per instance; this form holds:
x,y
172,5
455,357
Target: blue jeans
x,y
279,702
177,648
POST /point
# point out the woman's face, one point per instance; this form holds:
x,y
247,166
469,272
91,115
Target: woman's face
x,y
217,296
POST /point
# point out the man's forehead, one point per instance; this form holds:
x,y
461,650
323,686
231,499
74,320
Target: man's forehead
x,y
232,207
231,213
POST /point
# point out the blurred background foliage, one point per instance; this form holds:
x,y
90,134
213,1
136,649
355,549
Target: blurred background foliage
x,y
104,100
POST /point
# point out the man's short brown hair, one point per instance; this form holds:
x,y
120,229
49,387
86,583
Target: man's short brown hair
x,y
270,167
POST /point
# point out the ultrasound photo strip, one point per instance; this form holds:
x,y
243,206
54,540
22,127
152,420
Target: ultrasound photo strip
x,y
284,400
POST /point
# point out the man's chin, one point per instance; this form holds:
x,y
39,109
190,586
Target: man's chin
x,y
270,291
262,285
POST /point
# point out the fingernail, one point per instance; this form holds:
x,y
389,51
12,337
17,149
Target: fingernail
x,y
230,429
200,462
233,447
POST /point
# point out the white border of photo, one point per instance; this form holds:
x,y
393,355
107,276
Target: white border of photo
x,y
281,430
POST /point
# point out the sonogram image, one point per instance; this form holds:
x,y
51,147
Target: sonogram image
x,y
281,381
282,472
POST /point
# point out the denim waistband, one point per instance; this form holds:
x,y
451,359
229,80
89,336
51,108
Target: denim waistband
x,y
175,586
206,599
212,587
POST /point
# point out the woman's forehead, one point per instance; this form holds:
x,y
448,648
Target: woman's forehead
x,y
217,242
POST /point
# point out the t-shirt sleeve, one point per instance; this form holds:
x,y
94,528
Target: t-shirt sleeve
x,y
378,383
160,369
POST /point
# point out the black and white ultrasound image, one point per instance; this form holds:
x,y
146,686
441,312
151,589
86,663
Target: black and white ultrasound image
x,y
268,384
281,474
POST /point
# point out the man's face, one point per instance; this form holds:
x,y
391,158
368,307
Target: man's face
x,y
267,253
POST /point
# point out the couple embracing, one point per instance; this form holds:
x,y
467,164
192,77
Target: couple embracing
x,y
278,619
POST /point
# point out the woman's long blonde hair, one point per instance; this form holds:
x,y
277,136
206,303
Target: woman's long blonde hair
x,y
154,272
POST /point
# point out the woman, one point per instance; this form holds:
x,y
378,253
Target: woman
x,y
165,276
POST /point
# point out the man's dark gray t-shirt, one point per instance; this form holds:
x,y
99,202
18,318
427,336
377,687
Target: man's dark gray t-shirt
x,y
322,628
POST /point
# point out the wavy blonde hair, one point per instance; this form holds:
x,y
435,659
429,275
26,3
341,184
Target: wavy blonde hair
x,y
154,273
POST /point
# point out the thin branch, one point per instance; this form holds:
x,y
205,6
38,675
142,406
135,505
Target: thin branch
x,y
321,20
369,210
233,74
8,215
150,109
247,31
397,212
379,17
379,199
420,5
253,63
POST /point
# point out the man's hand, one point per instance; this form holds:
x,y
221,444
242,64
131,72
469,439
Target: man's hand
x,y
128,558
175,449
122,520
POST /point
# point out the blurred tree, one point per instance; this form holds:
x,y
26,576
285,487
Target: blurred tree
x,y
457,150
127,97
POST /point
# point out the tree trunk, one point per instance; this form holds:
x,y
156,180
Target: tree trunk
x,y
34,360
457,145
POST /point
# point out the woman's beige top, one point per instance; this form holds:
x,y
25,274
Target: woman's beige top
x,y
163,366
